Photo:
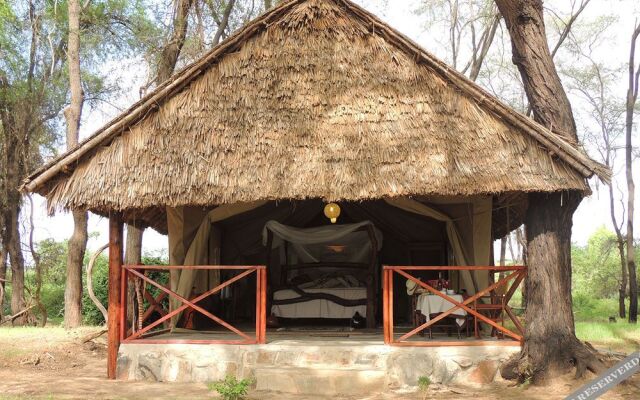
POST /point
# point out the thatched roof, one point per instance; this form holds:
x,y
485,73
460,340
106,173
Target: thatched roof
x,y
313,99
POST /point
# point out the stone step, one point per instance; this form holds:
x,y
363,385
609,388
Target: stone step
x,y
326,381
327,357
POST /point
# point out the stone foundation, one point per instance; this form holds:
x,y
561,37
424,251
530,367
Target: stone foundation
x,y
341,368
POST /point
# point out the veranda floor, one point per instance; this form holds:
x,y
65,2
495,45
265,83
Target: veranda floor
x,y
329,334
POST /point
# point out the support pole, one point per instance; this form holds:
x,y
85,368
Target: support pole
x,y
115,276
263,306
385,305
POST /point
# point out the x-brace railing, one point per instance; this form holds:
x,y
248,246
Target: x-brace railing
x,y
146,331
517,274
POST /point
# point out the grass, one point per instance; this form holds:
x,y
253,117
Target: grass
x,y
10,336
620,336
589,309
20,341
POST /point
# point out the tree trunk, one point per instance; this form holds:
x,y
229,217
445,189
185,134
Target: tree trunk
x,y
632,96
479,56
132,256
75,257
78,241
17,268
549,102
503,250
13,168
224,22
115,280
3,276
550,343
622,290
171,51
38,268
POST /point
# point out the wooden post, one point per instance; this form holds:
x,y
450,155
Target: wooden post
x,y
385,305
258,304
123,304
263,305
390,304
115,276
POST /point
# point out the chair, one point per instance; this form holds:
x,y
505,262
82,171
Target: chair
x,y
493,308
448,323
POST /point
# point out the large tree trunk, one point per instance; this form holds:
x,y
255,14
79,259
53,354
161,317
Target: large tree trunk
x,y
78,241
133,256
75,257
548,100
11,214
13,168
632,96
550,342
17,267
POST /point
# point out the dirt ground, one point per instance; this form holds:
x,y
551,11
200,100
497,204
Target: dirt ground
x,y
54,364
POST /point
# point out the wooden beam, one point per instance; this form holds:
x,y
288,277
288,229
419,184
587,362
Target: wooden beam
x,y
115,276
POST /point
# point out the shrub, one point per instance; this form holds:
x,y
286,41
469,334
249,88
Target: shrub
x,y
423,385
588,308
231,388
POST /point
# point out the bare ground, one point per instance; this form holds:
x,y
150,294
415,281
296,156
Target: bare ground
x,y
53,364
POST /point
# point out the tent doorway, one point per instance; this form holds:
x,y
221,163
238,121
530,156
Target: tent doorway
x,y
405,238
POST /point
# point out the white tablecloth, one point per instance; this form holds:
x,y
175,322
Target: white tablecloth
x,y
431,304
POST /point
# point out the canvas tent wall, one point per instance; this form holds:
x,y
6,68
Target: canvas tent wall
x,y
196,234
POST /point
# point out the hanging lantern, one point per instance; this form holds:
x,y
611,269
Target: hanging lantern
x,y
332,211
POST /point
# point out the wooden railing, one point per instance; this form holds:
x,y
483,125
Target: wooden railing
x,y
472,305
145,334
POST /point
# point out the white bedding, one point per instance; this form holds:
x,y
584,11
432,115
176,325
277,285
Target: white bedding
x,y
320,308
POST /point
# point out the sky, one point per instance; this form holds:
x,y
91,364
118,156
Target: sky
x,y
592,213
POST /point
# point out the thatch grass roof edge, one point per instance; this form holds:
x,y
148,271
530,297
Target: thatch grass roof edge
x,y
62,164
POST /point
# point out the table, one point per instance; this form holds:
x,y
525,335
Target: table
x,y
429,304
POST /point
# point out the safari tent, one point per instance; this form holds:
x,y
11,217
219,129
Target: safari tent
x,y
313,102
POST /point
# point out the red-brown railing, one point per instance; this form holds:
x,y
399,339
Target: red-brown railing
x,y
471,305
155,304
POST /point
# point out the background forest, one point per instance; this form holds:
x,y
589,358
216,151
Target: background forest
x,y
67,66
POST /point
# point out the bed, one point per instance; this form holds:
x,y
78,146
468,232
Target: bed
x,y
325,272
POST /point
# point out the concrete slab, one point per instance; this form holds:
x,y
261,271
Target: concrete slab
x,y
309,367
